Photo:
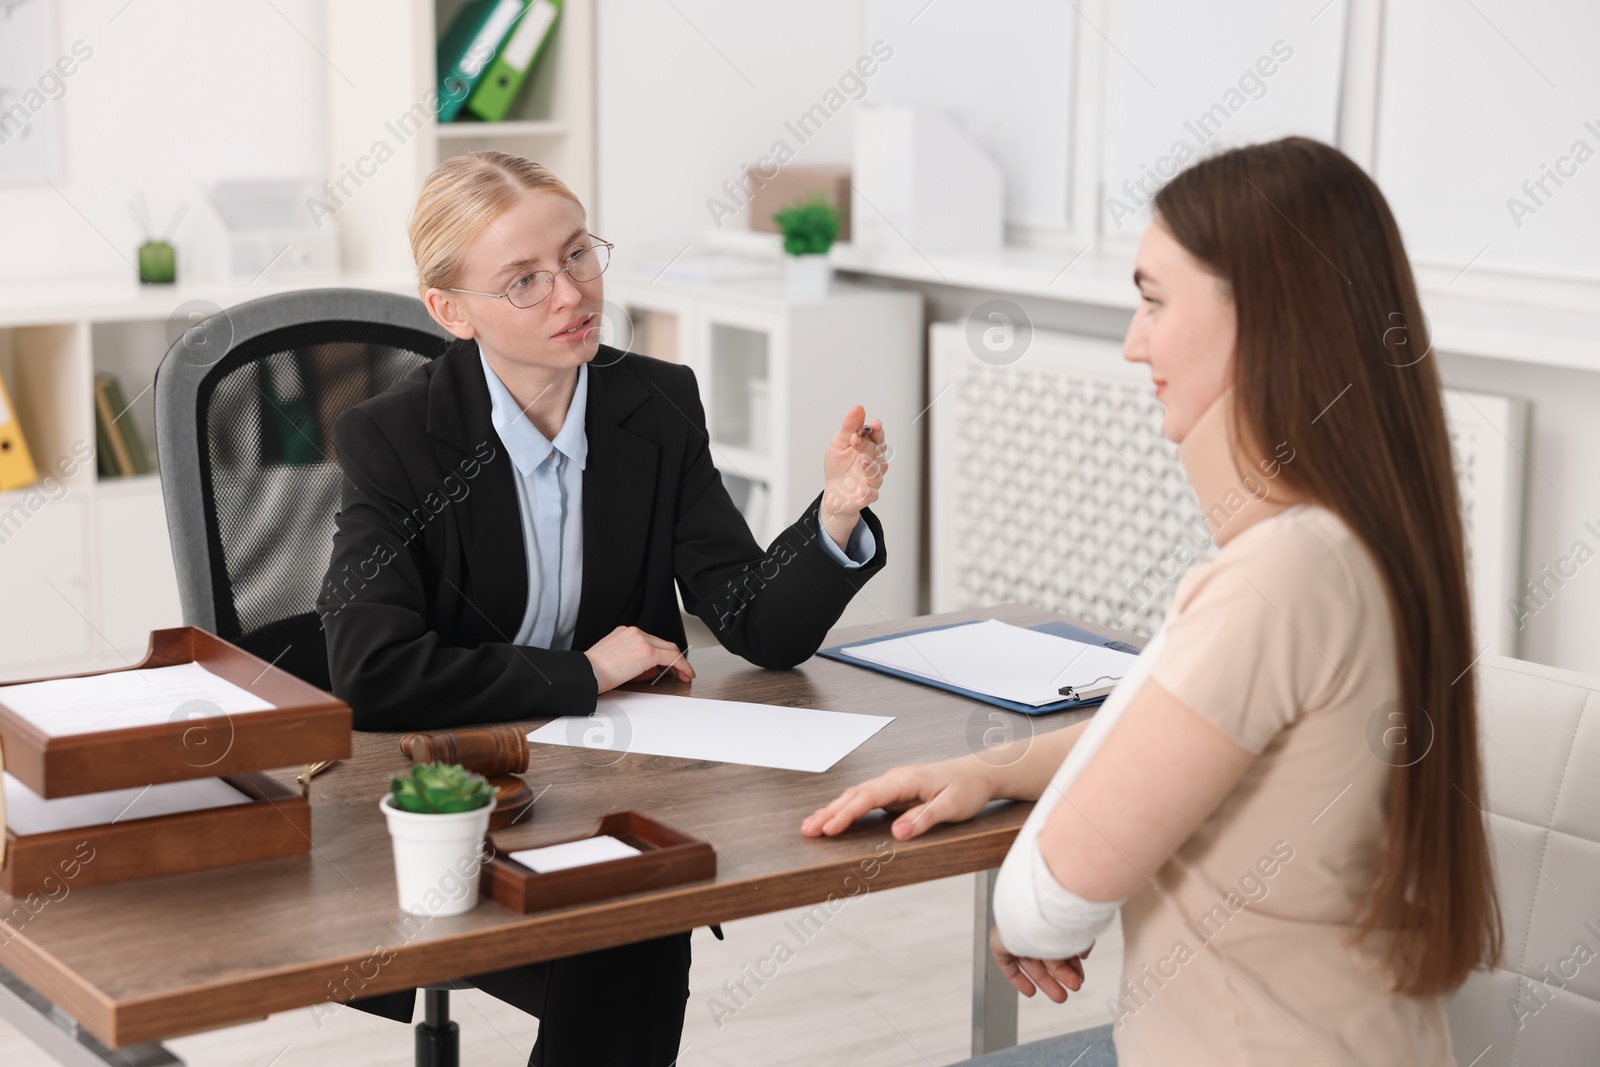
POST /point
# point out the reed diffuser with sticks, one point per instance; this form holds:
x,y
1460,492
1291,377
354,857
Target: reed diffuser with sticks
x,y
158,259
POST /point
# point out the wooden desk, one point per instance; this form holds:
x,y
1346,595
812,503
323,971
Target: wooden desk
x,y
151,959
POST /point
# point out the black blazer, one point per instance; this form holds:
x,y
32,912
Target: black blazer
x,y
428,581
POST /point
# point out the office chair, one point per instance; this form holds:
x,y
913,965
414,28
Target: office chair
x,y
245,404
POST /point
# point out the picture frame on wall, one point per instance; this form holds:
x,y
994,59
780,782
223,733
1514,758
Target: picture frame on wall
x,y
30,91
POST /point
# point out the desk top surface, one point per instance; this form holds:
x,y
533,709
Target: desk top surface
x,y
155,958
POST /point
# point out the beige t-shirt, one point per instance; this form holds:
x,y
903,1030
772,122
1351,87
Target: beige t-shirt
x,y
1284,640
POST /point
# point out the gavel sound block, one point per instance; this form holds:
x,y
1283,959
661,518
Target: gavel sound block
x,y
499,753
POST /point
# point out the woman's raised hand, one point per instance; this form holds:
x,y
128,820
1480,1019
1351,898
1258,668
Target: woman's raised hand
x,y
628,654
925,794
853,467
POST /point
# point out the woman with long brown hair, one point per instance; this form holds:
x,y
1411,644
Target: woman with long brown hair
x,y
1283,796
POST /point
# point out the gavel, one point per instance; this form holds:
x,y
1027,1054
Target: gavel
x,y
499,753
489,751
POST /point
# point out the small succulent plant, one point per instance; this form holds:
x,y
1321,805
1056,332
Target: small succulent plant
x,y
440,789
809,226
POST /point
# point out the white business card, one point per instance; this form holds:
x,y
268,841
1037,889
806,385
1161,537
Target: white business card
x,y
579,853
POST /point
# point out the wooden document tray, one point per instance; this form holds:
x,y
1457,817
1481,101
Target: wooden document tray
x,y
303,726
278,823
306,725
666,857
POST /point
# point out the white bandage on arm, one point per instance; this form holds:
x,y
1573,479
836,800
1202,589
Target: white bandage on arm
x,y
1037,915
1040,917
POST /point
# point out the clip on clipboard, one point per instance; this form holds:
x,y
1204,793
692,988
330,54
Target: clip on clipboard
x,y
1078,700
1099,689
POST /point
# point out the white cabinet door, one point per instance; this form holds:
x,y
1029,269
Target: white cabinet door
x,y
44,588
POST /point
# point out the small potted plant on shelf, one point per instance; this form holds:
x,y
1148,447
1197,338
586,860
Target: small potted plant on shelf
x,y
438,816
809,228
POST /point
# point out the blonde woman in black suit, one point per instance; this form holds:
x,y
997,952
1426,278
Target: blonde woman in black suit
x,y
518,518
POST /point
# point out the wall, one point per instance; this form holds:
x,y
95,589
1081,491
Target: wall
x,y
670,134
688,93
691,91
172,97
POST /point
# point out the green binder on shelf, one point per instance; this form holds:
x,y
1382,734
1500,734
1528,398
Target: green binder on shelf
x,y
468,47
514,61
127,430
117,441
104,465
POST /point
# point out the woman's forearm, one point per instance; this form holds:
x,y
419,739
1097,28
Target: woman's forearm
x,y
1022,769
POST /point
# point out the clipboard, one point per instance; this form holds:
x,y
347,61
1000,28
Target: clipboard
x,y
1057,629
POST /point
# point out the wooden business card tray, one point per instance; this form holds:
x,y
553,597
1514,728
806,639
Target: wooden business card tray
x,y
666,857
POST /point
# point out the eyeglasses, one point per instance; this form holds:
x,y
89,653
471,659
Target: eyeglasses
x,y
526,290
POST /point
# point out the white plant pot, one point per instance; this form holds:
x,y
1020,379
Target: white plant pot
x,y
807,277
437,858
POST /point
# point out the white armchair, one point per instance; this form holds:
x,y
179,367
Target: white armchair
x,y
1541,751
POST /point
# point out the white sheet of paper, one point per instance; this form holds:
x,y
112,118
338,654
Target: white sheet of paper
x,y
998,659
727,731
120,699
29,813
574,853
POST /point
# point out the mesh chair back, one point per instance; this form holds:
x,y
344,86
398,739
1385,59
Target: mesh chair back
x,y
245,405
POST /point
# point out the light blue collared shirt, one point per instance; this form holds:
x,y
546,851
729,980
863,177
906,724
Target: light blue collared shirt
x,y
550,498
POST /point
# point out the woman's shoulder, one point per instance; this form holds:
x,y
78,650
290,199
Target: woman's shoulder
x,y
404,398
372,434
668,390
1307,550
1300,534
1254,634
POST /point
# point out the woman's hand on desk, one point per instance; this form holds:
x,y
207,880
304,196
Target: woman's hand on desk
x,y
951,791
628,654
925,794
1028,976
854,465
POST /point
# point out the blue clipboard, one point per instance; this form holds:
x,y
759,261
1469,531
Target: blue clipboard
x,y
1059,629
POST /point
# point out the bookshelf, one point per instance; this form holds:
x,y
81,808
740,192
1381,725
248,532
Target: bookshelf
x,y
552,118
86,567
391,69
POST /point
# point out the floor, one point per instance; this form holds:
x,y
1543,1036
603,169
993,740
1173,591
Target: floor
x,y
886,983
